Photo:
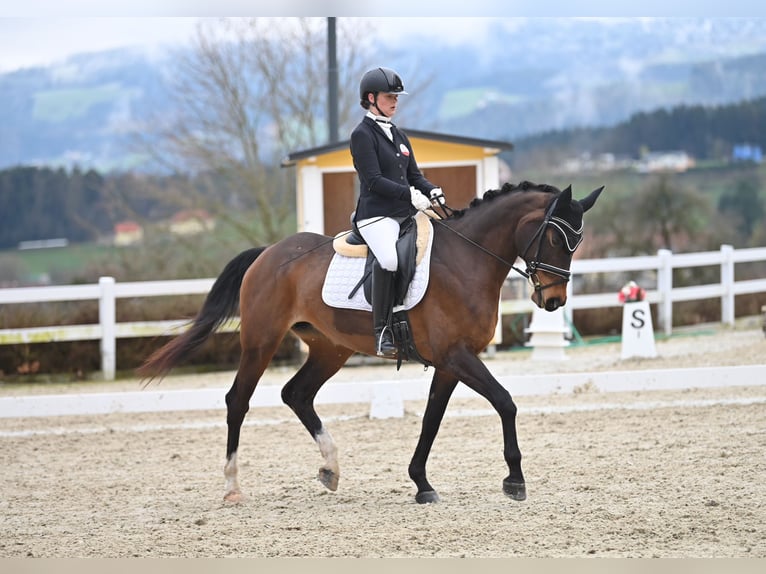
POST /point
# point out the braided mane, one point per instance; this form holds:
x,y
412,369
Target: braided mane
x,y
507,188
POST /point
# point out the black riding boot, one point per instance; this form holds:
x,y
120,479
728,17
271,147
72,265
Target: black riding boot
x,y
382,307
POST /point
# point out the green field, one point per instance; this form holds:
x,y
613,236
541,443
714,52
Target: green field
x,y
67,104
33,264
160,256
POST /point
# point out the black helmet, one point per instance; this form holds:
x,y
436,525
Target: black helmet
x,y
380,80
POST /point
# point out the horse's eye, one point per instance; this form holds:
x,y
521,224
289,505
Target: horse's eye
x,y
556,240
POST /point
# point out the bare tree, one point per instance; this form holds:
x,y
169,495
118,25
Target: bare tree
x,y
670,215
661,214
247,93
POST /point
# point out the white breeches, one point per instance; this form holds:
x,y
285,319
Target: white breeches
x,y
381,235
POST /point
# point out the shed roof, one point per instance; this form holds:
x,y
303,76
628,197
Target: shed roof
x,y
296,156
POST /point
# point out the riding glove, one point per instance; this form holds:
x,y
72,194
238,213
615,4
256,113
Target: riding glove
x,y
437,196
419,201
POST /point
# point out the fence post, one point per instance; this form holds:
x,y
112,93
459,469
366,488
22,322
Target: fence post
x,y
568,314
727,285
107,317
665,288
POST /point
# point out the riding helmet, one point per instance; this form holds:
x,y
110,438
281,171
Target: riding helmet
x,y
380,80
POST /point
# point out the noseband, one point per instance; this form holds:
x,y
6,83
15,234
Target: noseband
x,y
572,238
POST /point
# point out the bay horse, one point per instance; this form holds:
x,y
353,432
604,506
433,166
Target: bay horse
x,y
277,289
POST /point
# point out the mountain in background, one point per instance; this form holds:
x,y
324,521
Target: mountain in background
x,y
525,77
555,74
80,112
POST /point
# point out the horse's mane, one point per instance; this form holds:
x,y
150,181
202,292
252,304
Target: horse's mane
x,y
507,188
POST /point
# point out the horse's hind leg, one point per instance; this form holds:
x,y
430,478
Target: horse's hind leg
x,y
252,364
324,360
442,386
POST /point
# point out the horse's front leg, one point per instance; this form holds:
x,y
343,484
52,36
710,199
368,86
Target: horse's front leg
x,y
442,386
467,367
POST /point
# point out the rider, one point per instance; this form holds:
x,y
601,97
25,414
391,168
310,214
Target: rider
x,y
391,189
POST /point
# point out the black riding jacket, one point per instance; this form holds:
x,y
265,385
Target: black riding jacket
x,y
386,171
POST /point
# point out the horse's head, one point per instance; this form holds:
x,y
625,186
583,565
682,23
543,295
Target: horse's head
x,y
550,240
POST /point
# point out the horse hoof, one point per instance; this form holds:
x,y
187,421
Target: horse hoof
x,y
235,497
427,497
515,490
328,478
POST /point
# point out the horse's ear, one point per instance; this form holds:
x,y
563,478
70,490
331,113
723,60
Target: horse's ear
x,y
588,202
566,196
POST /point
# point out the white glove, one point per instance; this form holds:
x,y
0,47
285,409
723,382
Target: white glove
x,y
437,196
419,201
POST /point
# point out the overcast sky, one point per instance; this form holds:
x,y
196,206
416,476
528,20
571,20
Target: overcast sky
x,y
40,32
28,42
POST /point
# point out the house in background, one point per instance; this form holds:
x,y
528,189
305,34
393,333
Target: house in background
x,y
663,161
747,152
191,221
128,233
327,184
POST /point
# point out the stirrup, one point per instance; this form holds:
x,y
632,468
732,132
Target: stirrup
x,y
385,338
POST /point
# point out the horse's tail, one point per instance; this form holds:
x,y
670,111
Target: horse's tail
x,y
221,303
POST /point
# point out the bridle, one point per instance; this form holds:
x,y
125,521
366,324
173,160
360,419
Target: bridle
x,y
572,238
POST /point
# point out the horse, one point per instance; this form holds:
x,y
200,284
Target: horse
x,y
277,289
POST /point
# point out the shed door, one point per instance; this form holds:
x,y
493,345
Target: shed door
x,y
339,201
458,183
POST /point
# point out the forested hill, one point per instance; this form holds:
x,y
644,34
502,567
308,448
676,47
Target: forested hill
x,y
705,133
80,206
43,203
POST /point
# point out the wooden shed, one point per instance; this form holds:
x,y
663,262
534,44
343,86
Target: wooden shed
x,y
327,185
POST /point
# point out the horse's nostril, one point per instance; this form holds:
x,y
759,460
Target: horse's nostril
x,y
552,304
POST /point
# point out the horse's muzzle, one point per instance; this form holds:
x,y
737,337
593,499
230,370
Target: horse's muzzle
x,y
552,304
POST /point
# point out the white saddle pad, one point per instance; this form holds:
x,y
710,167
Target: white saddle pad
x,y
345,272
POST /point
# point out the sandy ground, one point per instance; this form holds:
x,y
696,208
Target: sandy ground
x,y
633,474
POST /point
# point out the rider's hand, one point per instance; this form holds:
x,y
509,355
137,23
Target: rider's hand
x,y
419,201
437,196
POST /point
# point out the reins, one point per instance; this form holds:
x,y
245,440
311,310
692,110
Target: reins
x,y
530,273
480,247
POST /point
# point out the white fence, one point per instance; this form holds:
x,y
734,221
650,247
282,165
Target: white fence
x,y
107,291
386,397
664,294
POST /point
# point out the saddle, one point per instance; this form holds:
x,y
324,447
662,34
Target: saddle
x,y
410,249
411,246
351,244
